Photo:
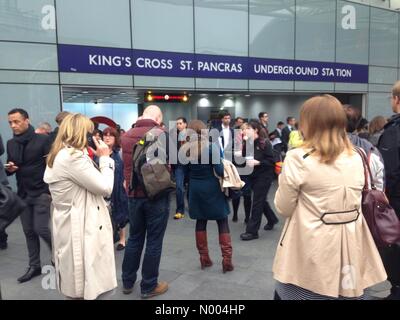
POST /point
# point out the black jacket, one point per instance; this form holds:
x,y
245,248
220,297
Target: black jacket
x,y
389,146
31,170
285,135
263,153
3,177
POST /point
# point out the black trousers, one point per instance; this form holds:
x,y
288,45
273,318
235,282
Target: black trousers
x,y
391,256
35,223
260,187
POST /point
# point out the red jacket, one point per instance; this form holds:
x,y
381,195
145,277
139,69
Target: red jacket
x,y
128,141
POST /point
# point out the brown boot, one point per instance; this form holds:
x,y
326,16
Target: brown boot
x,y
226,249
201,243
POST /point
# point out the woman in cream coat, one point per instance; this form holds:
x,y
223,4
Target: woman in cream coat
x,y
326,250
81,226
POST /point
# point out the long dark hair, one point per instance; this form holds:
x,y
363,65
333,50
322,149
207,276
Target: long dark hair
x,y
202,142
262,134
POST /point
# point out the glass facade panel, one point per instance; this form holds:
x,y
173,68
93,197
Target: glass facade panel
x,y
221,84
221,27
28,77
315,30
28,20
42,102
382,75
94,23
270,85
384,38
272,29
314,86
28,56
96,79
170,29
164,82
378,105
352,35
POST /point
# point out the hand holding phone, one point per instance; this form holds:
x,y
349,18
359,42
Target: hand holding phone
x,y
10,167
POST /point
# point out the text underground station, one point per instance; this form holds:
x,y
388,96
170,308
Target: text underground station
x,y
172,64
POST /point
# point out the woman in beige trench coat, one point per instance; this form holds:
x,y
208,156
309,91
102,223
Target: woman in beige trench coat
x,y
81,226
326,250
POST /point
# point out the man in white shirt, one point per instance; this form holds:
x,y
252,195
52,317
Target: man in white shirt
x,y
226,134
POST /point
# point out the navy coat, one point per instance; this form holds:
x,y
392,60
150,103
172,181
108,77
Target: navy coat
x,y
206,200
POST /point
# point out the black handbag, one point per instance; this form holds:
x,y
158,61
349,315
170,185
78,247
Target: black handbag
x,y
11,206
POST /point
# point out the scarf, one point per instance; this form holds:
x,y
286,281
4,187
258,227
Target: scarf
x,y
17,153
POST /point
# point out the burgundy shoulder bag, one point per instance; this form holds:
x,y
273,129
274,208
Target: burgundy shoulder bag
x,y
380,216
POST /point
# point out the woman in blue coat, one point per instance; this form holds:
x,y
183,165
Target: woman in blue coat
x,y
119,198
206,199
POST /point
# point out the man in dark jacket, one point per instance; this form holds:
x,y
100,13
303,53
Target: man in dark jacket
x,y
145,216
26,157
3,181
180,170
389,146
291,121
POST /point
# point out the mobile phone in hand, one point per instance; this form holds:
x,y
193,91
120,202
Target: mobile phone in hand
x,y
91,142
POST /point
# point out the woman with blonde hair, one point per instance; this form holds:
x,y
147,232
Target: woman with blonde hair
x,y
82,230
326,250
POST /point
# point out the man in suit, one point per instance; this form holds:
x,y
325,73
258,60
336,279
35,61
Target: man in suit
x,y
291,121
226,139
276,137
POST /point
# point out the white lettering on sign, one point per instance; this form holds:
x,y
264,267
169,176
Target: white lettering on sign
x,y
219,67
270,69
349,20
112,61
49,20
155,63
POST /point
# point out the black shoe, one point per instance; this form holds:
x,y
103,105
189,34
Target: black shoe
x,y
3,245
268,227
30,273
120,247
248,236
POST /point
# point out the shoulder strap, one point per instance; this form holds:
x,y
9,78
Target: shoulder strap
x,y
367,169
309,153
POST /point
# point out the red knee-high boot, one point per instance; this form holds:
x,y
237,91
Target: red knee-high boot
x,y
226,249
201,243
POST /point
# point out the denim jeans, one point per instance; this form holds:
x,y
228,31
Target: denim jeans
x,y
180,175
148,220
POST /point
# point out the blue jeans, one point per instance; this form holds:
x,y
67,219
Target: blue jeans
x,y
148,220
180,175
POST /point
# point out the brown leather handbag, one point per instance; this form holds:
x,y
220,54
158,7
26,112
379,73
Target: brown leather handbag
x,y
380,216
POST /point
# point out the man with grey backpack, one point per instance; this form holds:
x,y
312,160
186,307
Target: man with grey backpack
x,y
148,205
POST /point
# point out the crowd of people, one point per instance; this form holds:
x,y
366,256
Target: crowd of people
x,y
83,186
